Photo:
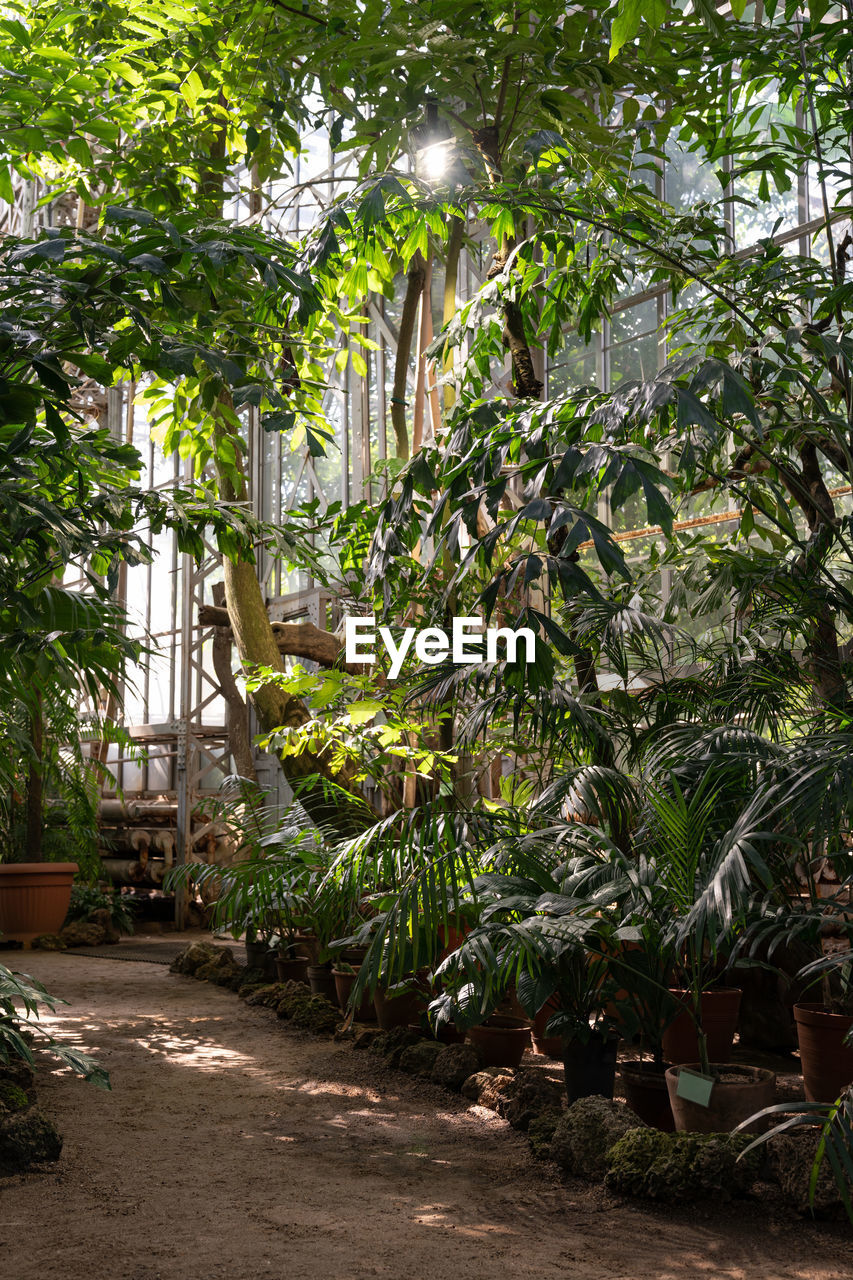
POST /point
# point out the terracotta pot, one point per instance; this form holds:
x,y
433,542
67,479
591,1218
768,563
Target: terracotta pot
x,y
646,1093
451,938
322,982
309,945
396,1011
34,898
719,1021
590,1066
544,1045
344,983
500,1041
826,1060
732,1101
292,968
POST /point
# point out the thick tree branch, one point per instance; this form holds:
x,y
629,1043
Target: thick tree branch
x,y
236,711
294,639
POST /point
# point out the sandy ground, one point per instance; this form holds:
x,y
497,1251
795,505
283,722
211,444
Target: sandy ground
x,y
232,1146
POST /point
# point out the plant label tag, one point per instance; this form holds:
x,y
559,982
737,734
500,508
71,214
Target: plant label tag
x,y
694,1087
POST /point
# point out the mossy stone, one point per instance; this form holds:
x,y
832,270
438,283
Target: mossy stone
x,y
27,1138
419,1059
48,942
586,1133
193,957
540,1133
12,1097
674,1167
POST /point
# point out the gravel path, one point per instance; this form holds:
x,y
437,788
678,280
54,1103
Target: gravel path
x,y
234,1147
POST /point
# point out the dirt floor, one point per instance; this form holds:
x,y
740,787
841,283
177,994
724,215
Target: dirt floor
x,y
232,1146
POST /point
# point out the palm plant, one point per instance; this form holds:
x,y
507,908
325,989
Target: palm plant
x,y
683,891
21,998
834,1125
262,894
534,936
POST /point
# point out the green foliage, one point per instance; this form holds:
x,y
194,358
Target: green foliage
x,y
834,1126
277,885
86,898
677,1167
21,997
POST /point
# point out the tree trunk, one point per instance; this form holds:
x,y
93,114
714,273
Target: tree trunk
x,y
236,711
812,495
257,647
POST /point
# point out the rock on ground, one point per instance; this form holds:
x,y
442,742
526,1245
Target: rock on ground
x,y
12,1098
587,1131
193,957
540,1133
516,1095
389,1045
48,942
310,1012
419,1059
27,1138
474,1086
674,1167
81,934
18,1072
102,918
790,1159
454,1064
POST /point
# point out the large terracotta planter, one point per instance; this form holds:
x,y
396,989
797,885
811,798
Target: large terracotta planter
x,y
720,1011
34,898
396,1011
344,983
732,1101
500,1041
544,1045
827,1061
647,1094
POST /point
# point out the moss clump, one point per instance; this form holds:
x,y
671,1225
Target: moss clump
x,y
587,1131
267,996
193,957
27,1138
317,1014
12,1098
48,942
250,980
419,1059
390,1044
674,1167
540,1133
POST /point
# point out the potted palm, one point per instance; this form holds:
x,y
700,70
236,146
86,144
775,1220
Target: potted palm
x,y
552,947
35,876
680,894
261,895
328,914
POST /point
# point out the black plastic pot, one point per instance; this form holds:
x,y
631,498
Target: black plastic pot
x,y
322,982
259,956
290,968
647,1094
590,1066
